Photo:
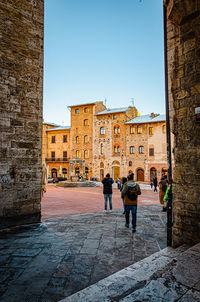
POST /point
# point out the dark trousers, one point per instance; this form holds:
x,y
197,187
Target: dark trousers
x,y
155,188
133,210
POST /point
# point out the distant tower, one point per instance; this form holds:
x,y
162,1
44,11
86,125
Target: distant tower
x,y
105,101
132,102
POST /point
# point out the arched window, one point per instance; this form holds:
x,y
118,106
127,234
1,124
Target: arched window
x,y
141,149
77,140
86,170
85,122
78,154
116,130
102,131
132,149
116,149
130,163
139,129
86,139
86,154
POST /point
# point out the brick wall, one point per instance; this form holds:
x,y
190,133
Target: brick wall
x,y
21,82
184,91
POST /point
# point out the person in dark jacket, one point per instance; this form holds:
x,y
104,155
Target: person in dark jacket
x,y
130,193
107,191
155,183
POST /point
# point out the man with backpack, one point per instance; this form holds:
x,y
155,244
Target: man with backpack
x,y
130,193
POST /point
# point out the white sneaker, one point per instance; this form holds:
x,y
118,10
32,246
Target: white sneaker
x,y
110,211
105,211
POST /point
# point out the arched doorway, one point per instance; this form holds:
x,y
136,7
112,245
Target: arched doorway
x,y
53,173
115,170
153,173
140,174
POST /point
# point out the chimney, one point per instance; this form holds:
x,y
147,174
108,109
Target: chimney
x,y
152,115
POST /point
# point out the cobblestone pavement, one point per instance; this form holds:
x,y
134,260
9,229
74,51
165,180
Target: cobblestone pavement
x,y
54,259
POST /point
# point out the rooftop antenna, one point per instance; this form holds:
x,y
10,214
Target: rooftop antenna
x,y
132,102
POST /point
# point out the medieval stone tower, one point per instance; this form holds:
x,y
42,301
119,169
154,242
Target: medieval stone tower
x,y
21,82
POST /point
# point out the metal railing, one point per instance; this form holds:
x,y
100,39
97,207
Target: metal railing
x,y
57,159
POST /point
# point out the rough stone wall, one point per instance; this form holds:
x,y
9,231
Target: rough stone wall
x,y
21,84
183,34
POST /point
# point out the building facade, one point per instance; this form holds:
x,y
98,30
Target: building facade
x,y
100,140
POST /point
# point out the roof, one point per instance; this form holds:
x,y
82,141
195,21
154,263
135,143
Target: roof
x,y
59,128
51,124
84,104
113,110
142,119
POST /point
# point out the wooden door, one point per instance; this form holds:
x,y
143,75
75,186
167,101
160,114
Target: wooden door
x,y
140,175
116,173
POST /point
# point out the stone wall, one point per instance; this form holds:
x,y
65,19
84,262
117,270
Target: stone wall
x,y
21,84
183,33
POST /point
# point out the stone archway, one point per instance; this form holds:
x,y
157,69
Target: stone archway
x,y
115,170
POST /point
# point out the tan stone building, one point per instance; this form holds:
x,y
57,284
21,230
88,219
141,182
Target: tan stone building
x,y
100,140
56,149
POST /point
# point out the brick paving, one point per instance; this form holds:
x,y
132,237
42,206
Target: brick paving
x,y
54,259
70,201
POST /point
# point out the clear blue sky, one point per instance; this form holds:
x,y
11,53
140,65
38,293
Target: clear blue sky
x,y
97,49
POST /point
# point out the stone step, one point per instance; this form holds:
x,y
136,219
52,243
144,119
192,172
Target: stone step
x,y
167,275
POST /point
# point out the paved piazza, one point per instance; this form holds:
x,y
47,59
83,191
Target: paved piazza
x,y
59,201
62,255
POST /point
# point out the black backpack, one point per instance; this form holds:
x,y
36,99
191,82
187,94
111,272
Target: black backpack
x,y
132,192
164,188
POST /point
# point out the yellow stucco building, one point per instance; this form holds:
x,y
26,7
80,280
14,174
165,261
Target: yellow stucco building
x,y
100,140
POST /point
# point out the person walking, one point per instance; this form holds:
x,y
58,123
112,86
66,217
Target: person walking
x,y
130,192
107,191
124,180
162,190
119,183
155,183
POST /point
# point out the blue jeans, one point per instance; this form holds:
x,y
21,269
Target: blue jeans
x,y
133,210
123,203
106,196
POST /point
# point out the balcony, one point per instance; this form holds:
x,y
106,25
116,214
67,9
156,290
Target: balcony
x,y
58,159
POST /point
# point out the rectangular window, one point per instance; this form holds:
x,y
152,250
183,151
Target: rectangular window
x,y
132,150
53,139
114,117
53,154
86,109
132,130
141,149
151,151
139,129
64,138
150,130
76,111
64,155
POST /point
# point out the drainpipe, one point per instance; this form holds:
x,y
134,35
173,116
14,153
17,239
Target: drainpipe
x,y
169,202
